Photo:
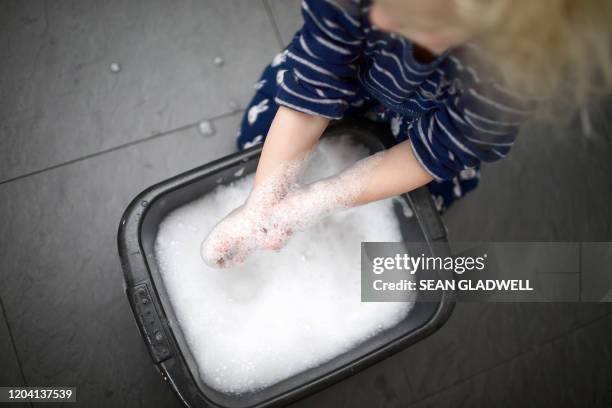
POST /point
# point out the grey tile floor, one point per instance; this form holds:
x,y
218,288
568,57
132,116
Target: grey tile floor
x,y
78,141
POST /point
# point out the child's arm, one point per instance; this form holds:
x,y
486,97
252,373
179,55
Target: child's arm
x,y
291,136
385,174
397,172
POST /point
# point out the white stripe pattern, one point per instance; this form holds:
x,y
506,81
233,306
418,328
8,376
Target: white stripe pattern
x,y
497,104
453,139
468,112
321,27
306,48
326,101
346,15
280,101
483,130
424,139
331,45
299,75
311,65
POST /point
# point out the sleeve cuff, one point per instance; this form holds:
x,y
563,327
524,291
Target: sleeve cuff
x,y
292,95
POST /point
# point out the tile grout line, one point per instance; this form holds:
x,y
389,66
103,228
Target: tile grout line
x,y
116,148
277,33
580,269
509,359
12,339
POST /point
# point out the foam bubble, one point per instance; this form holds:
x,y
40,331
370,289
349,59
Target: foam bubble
x,y
277,314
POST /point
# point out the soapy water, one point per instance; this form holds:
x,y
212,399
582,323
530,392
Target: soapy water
x,y
276,314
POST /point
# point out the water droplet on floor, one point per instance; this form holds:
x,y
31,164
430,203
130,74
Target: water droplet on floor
x,y
218,61
205,128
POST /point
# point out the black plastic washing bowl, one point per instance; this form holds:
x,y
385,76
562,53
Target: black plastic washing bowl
x,y
158,325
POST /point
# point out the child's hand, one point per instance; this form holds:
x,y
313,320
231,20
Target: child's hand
x,y
230,241
278,208
249,227
246,229
288,143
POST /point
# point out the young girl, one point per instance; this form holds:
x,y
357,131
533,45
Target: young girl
x,y
453,78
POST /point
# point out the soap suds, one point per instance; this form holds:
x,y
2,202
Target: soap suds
x,y
279,206
277,314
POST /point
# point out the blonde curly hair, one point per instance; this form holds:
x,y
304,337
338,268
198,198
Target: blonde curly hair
x,y
546,47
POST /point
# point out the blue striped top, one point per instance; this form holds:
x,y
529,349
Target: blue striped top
x,y
458,114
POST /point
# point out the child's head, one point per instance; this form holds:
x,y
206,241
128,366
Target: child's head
x,y
431,24
542,46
